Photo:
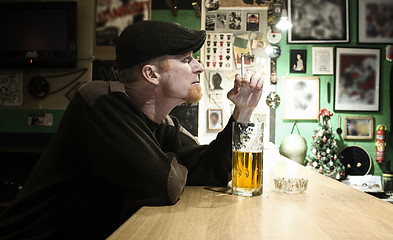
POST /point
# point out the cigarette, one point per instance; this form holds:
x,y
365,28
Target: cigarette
x,y
242,67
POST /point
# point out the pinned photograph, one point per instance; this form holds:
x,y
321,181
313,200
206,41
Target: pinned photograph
x,y
235,21
216,81
215,121
210,24
252,21
221,20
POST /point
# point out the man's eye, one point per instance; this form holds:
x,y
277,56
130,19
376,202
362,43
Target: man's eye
x,y
188,59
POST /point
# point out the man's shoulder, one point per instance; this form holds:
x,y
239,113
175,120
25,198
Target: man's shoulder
x,y
91,91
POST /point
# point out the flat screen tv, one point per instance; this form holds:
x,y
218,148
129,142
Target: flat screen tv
x,y
38,34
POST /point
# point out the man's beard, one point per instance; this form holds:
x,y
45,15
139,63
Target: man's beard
x,y
194,94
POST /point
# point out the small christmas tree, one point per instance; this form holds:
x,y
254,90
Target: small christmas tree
x,y
324,157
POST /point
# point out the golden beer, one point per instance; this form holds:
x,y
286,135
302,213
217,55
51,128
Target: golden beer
x,y
247,169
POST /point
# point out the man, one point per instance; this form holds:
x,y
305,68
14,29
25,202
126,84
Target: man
x,y
117,149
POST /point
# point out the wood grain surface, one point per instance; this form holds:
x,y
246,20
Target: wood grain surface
x,y
327,210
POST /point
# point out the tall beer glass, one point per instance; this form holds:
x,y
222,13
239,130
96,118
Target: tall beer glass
x,y
247,158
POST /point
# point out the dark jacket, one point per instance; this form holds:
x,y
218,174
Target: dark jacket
x,y
106,161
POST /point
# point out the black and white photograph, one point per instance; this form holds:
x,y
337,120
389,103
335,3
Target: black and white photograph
x,y
216,81
252,21
301,98
298,61
235,20
357,79
221,23
210,24
318,21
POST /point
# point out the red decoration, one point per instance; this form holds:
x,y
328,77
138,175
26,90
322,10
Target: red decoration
x,y
324,139
324,112
320,170
335,157
308,164
319,156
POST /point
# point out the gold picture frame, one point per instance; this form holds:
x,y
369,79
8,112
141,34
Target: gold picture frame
x,y
358,127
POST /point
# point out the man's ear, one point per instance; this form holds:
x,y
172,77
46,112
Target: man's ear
x,y
150,74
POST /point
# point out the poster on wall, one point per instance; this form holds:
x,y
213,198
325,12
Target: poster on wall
x,y
11,88
114,15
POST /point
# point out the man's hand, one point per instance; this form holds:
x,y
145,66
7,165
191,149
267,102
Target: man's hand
x,y
245,95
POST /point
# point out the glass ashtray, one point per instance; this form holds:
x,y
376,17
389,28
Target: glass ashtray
x,y
291,185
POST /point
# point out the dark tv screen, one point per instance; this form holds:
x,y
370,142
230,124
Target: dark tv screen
x,y
38,34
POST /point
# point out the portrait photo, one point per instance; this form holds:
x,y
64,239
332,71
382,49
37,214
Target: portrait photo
x,y
215,121
318,21
298,61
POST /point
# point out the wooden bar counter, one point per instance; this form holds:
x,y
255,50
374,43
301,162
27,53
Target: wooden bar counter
x,y
327,210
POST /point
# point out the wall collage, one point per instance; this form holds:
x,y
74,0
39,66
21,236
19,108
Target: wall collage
x,y
231,32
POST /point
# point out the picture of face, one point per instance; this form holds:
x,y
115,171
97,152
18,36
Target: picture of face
x,y
215,119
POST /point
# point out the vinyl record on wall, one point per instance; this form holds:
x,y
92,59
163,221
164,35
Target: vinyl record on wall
x,y
356,160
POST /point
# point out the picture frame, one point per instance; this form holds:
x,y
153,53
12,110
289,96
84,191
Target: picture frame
x,y
357,79
301,100
358,127
324,22
322,60
375,24
298,61
214,119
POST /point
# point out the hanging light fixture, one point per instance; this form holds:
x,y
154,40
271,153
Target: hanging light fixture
x,y
284,23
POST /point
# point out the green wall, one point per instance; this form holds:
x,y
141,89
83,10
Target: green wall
x,y
15,120
283,127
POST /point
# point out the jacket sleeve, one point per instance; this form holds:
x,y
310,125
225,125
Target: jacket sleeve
x,y
207,164
123,150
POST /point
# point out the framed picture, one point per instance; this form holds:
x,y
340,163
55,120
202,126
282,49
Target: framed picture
x,y
318,21
215,121
358,127
375,22
357,79
322,60
298,61
301,98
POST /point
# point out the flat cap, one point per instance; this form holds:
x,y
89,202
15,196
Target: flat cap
x,y
145,40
